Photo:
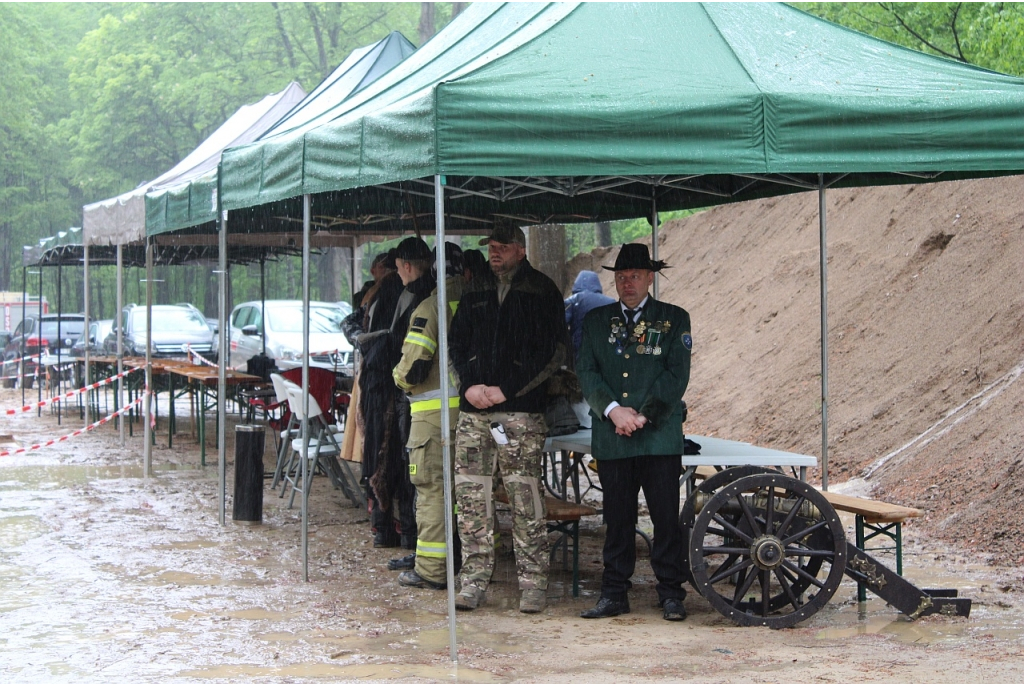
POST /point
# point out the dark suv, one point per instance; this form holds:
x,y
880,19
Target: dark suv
x,y
176,328
39,334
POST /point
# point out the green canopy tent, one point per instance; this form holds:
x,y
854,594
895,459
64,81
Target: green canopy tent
x,y
180,211
576,112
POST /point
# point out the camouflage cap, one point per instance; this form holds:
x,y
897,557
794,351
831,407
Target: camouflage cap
x,y
505,232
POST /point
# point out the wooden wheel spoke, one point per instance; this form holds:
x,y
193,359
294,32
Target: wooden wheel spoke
x,y
741,589
766,595
804,552
769,513
735,551
790,516
726,569
749,515
803,533
781,574
734,530
803,574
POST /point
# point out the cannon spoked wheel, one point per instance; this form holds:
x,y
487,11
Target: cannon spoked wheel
x,y
700,495
759,543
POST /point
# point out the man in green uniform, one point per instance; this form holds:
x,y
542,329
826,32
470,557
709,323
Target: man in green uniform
x,y
419,375
634,365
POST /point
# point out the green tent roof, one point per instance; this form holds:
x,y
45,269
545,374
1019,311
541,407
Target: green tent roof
x,y
585,111
191,199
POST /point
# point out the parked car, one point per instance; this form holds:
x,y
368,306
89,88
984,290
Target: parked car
x,y
279,323
35,334
98,331
176,327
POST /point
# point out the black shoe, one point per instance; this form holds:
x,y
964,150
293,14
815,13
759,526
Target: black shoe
x,y
606,608
385,540
413,579
673,610
406,563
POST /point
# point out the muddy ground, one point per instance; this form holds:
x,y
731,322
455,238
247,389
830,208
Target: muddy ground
x,y
106,576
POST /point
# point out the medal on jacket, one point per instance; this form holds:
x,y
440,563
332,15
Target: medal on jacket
x,y
618,335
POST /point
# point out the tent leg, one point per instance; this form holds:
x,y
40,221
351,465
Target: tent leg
x,y
306,216
222,383
85,309
446,446
147,402
21,354
120,343
654,238
823,254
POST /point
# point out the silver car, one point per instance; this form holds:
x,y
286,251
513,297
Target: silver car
x,y
278,323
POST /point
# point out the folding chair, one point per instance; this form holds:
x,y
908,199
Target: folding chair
x,y
286,427
321,451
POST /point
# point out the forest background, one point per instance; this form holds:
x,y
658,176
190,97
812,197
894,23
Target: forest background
x,y
96,98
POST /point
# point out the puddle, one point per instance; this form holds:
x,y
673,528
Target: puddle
x,y
55,476
338,672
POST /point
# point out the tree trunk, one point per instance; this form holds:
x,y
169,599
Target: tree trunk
x,y
426,28
457,8
603,229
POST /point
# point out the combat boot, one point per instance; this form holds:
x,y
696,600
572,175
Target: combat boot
x,y
533,601
469,598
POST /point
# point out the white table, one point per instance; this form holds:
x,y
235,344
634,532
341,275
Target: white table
x,y
713,452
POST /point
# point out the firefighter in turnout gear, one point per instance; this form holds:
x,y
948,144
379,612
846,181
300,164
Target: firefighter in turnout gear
x,y
419,375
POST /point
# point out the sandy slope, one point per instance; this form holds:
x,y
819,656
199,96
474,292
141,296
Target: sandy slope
x,y
925,303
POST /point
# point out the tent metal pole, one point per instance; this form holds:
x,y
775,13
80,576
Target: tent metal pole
x,y
60,310
24,304
147,402
85,309
823,255
306,216
654,239
263,305
39,378
352,272
222,382
120,342
446,428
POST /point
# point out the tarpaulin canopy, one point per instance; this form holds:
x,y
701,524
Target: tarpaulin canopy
x,y
122,219
191,199
564,112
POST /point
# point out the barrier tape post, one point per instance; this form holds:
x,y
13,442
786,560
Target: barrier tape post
x,y
80,431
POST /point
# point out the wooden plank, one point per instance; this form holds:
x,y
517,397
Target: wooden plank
x,y
873,511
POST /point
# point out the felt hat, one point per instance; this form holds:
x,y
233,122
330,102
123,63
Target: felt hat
x,y
635,256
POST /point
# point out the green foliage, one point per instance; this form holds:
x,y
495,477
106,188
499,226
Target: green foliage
x,y
583,237
989,35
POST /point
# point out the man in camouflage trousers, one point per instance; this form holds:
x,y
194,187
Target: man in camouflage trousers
x,y
419,375
504,342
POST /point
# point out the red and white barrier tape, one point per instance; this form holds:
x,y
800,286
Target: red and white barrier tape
x,y
70,394
201,358
48,443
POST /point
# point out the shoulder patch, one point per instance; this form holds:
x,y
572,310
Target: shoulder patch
x,y
687,340
419,322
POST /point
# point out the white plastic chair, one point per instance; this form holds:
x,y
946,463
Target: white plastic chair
x,y
281,385
322,450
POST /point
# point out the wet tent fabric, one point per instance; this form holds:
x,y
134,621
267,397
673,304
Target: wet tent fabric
x,y
728,92
122,219
191,198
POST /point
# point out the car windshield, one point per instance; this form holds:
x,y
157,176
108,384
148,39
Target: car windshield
x,y
68,329
171,319
289,319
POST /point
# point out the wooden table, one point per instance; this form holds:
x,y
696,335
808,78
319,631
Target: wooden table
x,y
201,381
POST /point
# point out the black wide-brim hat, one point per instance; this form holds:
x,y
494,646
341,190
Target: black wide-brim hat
x,y
635,256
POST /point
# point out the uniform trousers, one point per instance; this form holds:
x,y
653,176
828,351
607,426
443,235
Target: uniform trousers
x,y
426,471
478,459
621,480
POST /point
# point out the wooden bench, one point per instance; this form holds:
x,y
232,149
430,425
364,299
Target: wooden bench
x,y
563,517
874,518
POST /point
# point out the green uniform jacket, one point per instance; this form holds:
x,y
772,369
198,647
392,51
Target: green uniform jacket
x,y
652,382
